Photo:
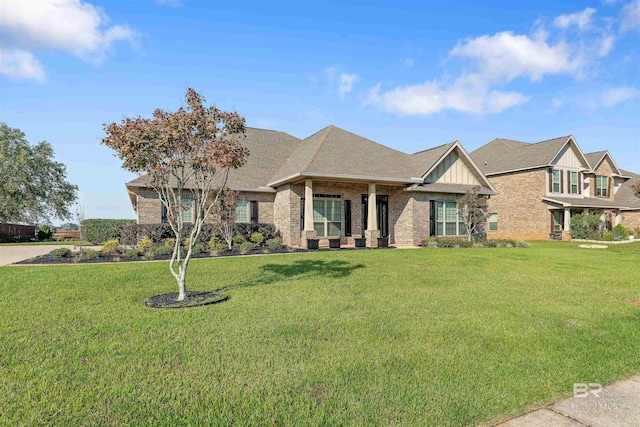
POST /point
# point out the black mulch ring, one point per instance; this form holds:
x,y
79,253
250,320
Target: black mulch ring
x,y
193,299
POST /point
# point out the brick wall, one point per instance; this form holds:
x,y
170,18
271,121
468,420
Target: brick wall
x,y
521,212
630,219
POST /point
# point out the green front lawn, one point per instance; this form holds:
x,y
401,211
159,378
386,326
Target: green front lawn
x,y
386,337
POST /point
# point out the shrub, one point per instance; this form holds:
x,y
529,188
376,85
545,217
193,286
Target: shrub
x,y
145,245
246,247
585,226
521,244
60,253
44,232
111,247
460,243
431,242
238,240
87,254
164,250
132,253
620,232
492,243
132,233
608,235
100,230
198,248
274,243
257,238
170,242
148,255
636,231
186,242
268,231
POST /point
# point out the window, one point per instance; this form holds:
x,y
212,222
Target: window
x,y
556,181
602,184
573,186
448,220
242,211
493,222
327,217
558,218
187,210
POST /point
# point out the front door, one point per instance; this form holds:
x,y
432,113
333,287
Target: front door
x,y
382,208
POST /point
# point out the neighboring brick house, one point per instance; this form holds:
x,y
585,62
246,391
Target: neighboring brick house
x,y
338,184
541,185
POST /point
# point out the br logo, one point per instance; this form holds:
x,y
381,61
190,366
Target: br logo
x,y
582,390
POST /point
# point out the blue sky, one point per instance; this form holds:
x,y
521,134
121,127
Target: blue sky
x,y
410,75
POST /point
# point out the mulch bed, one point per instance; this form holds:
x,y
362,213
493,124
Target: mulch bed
x,y
47,259
193,299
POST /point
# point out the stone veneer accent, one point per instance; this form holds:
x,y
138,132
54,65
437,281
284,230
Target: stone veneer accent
x,y
521,212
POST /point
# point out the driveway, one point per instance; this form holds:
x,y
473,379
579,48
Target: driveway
x,y
11,254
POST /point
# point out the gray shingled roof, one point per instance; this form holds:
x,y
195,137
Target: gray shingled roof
x,y
449,188
585,202
425,159
624,196
594,158
502,155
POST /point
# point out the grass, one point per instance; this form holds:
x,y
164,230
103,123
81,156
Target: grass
x,y
389,337
49,242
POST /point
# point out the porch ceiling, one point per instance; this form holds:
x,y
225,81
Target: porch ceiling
x,y
583,202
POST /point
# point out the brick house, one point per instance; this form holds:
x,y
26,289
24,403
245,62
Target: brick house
x,y
335,184
541,185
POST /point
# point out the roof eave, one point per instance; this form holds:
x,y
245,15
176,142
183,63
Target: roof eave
x,y
344,177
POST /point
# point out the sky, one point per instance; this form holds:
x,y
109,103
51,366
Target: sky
x,y
408,74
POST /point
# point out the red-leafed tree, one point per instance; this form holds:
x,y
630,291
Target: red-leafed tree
x,y
185,156
636,189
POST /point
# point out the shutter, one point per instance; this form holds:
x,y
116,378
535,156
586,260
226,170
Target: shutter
x,y
562,181
579,182
347,218
302,214
163,215
254,212
609,181
552,227
550,180
432,217
365,213
593,182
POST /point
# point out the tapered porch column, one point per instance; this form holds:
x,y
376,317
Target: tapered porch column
x,y
308,232
567,220
617,218
372,233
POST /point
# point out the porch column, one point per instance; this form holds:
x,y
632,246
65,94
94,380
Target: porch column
x,y
372,233
567,220
308,232
617,218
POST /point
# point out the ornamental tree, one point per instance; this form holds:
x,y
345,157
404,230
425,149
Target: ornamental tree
x,y
33,186
636,189
473,212
185,156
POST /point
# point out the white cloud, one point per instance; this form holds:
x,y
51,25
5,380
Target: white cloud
x,y
631,16
71,26
346,82
19,64
616,95
581,20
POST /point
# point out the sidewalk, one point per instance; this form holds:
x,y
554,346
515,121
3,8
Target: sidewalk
x,y
12,254
617,405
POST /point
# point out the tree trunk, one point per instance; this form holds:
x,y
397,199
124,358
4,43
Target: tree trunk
x,y
182,283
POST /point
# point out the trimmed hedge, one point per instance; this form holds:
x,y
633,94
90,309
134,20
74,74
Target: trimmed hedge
x,y
98,231
131,234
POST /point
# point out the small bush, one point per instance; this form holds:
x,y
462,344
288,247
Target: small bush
x,y
608,236
198,248
45,232
145,245
60,253
186,242
246,247
620,232
274,244
257,238
492,243
170,242
132,253
148,255
164,250
636,231
111,247
87,254
521,244
585,226
238,240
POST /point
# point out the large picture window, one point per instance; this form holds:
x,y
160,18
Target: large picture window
x,y
242,211
448,220
602,185
327,217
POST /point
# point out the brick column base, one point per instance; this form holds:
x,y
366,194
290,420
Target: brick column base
x,y
307,234
372,238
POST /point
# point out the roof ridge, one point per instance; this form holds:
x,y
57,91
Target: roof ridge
x,y
317,149
547,140
433,148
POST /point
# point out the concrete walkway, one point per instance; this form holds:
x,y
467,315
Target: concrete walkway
x,y
616,405
12,254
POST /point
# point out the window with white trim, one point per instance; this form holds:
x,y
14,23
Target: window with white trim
x,y
602,184
449,220
558,218
187,210
327,216
493,222
556,180
242,211
573,186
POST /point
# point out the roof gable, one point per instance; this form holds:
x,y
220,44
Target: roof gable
x,y
596,158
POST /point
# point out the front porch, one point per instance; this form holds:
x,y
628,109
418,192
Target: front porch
x,y
563,209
